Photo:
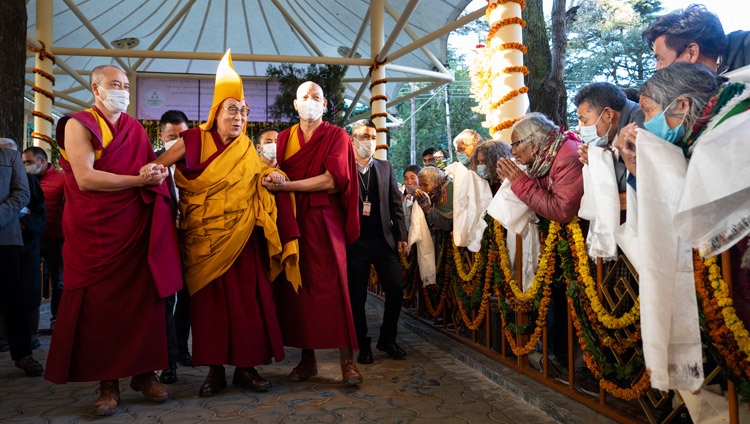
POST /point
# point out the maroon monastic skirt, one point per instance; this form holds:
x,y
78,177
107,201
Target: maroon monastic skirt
x,y
109,330
320,315
233,318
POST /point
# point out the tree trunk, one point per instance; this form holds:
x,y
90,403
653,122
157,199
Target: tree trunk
x,y
12,68
546,65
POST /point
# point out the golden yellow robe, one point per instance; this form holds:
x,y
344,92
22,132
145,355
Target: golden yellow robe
x,y
219,210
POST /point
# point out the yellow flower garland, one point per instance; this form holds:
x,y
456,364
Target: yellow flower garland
x,y
541,272
458,260
582,269
724,300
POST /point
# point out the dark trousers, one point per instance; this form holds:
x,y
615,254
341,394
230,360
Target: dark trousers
x,y
374,250
51,250
13,303
31,274
178,325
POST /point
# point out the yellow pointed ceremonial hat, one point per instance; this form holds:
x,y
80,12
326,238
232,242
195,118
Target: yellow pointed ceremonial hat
x,y
228,84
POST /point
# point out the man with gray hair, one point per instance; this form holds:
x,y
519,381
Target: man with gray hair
x,y
14,196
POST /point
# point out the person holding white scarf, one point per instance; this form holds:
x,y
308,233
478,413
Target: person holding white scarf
x,y
673,101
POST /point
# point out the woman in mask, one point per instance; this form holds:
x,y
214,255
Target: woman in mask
x,y
552,185
465,143
484,158
673,102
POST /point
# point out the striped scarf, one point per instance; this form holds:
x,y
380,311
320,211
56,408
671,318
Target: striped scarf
x,y
548,151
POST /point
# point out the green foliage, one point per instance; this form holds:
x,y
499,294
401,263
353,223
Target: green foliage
x,y
431,123
604,42
329,77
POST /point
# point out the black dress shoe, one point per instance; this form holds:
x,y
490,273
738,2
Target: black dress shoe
x,y
365,356
185,359
216,380
169,375
392,349
249,377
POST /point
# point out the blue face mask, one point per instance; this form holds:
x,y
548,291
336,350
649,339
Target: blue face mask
x,y
658,127
482,171
463,158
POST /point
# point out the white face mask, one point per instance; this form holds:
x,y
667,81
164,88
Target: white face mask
x,y
589,134
310,110
168,144
269,151
365,148
34,169
116,101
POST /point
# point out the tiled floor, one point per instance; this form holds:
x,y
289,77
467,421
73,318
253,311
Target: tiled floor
x,y
430,386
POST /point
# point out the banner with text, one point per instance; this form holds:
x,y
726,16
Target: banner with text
x,y
194,97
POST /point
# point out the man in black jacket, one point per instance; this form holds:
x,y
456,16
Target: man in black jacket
x,y
382,239
14,196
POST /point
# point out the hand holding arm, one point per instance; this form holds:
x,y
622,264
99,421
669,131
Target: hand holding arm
x,y
81,156
322,182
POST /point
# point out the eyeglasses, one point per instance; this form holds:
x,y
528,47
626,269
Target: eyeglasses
x,y
233,110
516,143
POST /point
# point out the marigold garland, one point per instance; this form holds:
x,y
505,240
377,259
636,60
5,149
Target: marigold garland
x,y
542,272
721,338
505,124
493,5
578,247
542,281
507,21
511,94
459,262
511,69
724,300
592,355
605,340
513,45
435,312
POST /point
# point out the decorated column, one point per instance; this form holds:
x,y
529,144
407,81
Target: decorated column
x,y
378,99
497,71
43,78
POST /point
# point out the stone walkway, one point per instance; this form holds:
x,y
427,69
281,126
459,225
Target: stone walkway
x,y
430,386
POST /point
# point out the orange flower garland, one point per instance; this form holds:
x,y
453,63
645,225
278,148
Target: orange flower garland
x,y
636,389
578,247
511,94
507,21
435,312
504,125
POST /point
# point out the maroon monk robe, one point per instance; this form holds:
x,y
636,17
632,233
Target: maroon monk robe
x,y
121,258
233,318
320,315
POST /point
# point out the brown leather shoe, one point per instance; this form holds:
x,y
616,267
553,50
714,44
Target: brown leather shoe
x,y
249,377
306,369
350,373
149,385
216,380
109,398
30,366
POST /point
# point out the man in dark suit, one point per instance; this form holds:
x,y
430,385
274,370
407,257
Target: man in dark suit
x,y
171,125
382,239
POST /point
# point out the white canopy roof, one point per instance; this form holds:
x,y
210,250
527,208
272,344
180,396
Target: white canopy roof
x,y
172,38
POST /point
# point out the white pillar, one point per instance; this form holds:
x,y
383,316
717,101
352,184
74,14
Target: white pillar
x,y
42,134
509,100
377,77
